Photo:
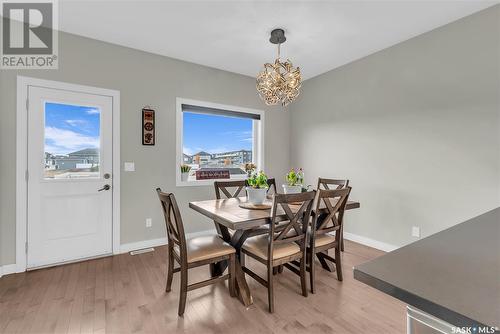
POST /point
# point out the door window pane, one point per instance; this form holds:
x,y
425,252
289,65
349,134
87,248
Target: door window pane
x,y
72,141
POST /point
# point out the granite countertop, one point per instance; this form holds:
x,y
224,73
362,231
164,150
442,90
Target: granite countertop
x,y
453,275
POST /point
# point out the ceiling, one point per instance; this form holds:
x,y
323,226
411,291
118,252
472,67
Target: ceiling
x,y
233,35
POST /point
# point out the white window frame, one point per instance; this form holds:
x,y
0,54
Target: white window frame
x,y
258,138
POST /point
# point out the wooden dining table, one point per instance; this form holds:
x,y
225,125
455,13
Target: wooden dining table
x,y
228,215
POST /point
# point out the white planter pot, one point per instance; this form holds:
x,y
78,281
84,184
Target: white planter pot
x,y
292,189
184,176
256,196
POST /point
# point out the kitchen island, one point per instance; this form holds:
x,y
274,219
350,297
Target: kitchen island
x,y
450,280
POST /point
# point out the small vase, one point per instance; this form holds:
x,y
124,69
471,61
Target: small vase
x,y
184,176
287,189
256,195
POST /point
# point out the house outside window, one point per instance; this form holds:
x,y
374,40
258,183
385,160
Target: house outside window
x,y
218,139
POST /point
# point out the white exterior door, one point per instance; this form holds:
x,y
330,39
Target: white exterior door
x,y
70,204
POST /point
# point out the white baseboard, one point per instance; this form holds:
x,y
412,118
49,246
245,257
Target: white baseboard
x,y
132,246
8,269
370,242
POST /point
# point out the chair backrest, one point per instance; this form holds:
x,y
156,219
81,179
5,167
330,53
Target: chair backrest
x,y
222,186
271,183
173,221
337,184
333,201
297,208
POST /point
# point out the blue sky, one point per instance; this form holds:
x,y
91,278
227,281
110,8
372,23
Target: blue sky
x,y
70,128
213,133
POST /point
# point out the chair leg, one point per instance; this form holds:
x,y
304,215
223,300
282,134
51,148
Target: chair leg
x,y
342,238
312,269
303,279
170,271
270,291
183,294
232,275
338,263
242,259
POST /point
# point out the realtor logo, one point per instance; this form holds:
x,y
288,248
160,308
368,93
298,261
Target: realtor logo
x,y
29,34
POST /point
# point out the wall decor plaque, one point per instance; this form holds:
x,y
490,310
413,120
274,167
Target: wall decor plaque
x,y
148,126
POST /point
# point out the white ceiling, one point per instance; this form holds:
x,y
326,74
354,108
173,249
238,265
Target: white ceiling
x,y
233,35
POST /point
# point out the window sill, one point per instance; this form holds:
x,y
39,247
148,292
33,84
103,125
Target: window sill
x,y
200,183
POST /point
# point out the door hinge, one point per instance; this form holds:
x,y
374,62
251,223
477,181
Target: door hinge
x,y
26,247
27,104
27,175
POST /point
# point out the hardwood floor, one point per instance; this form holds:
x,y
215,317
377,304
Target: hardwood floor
x,y
125,294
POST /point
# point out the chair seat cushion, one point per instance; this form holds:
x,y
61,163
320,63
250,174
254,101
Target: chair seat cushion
x,y
206,247
324,239
259,246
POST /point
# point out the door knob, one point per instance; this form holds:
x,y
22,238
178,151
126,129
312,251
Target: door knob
x,y
106,187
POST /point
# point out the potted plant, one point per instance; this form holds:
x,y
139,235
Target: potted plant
x,y
294,181
185,172
257,187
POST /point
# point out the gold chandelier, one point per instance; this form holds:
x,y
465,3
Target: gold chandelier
x,y
279,82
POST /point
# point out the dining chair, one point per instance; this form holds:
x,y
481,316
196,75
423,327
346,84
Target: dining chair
x,y
338,184
193,252
271,183
326,183
321,240
284,243
230,189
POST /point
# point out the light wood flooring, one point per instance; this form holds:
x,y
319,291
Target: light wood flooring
x,y
125,294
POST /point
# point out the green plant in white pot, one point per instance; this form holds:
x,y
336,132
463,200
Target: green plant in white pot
x,y
294,181
185,169
257,187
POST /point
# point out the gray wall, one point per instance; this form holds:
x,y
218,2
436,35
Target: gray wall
x,y
415,128
142,79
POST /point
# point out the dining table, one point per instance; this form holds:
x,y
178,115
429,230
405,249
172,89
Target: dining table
x,y
243,223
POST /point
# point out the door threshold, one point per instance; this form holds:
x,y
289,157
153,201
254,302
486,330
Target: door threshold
x,y
69,262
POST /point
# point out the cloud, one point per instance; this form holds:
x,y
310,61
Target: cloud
x,y
92,111
60,141
76,122
188,151
247,139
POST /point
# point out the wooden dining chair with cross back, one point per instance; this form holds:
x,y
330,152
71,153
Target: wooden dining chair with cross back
x,y
333,184
191,253
328,183
228,189
232,189
321,240
283,243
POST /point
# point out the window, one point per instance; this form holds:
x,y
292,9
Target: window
x,y
72,140
216,141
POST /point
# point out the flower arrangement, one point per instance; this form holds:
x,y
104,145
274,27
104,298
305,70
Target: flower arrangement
x,y
185,168
257,187
294,181
295,177
257,180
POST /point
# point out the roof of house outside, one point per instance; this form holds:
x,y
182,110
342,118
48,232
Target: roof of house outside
x,y
86,151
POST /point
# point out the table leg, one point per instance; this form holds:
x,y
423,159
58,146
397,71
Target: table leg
x,y
324,264
242,288
236,241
